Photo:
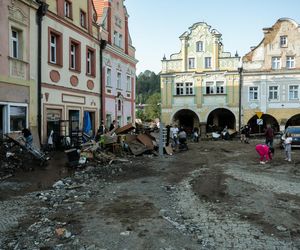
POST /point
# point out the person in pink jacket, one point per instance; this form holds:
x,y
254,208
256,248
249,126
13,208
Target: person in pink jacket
x,y
265,152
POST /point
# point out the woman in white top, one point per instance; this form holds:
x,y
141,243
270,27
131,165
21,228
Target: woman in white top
x,y
288,147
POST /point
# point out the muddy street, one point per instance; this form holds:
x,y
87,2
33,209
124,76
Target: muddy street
x,y
216,195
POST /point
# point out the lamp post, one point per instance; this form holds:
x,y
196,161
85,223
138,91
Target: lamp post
x,y
240,70
161,127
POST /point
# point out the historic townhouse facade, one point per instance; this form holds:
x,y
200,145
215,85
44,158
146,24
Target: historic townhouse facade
x,y
271,77
18,66
70,67
119,63
200,84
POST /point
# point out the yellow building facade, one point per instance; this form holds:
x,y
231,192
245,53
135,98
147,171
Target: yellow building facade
x,y
200,84
271,78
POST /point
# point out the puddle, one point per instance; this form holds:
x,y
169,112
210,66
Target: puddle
x,y
40,178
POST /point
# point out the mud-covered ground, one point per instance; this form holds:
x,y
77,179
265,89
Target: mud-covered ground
x,y
214,196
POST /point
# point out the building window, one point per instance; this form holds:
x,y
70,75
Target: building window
x,y
90,62
290,62
116,38
18,118
75,55
108,77
273,93
283,41
82,19
207,62
68,9
120,41
293,92
220,87
119,105
276,63
191,63
53,50
15,36
253,93
129,119
119,119
55,47
209,88
128,83
189,88
108,120
179,89
119,80
199,46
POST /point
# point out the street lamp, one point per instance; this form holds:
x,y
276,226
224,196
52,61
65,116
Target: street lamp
x,y
240,70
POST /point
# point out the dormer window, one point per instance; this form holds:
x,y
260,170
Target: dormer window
x,y
283,41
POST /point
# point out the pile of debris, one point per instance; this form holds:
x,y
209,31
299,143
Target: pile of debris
x,y
114,146
16,154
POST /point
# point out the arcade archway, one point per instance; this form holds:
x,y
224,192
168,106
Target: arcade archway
x,y
293,121
219,118
267,119
187,119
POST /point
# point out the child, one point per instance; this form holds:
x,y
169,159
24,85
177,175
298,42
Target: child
x,y
288,147
265,153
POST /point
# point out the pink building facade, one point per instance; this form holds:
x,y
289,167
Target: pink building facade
x,y
119,63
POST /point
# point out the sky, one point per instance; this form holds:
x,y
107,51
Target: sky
x,y
155,25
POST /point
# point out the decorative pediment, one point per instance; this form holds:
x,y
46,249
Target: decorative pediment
x,y
17,14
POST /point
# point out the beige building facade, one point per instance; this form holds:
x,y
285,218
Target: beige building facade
x,y
71,92
271,78
18,66
200,84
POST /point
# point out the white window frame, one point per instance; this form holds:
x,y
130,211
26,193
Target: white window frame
x,y
67,8
198,47
73,56
128,79
220,87
189,88
252,92
276,62
116,37
82,19
89,62
6,128
290,62
283,41
272,91
119,80
108,77
215,87
179,88
120,42
15,43
191,63
53,49
296,90
209,87
206,64
108,119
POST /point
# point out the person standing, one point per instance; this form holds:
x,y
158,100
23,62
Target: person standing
x,y
113,126
288,147
269,133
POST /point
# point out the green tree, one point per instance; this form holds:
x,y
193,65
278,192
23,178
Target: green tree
x,y
153,107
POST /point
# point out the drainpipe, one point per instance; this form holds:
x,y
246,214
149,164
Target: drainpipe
x,y
102,99
240,69
41,12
